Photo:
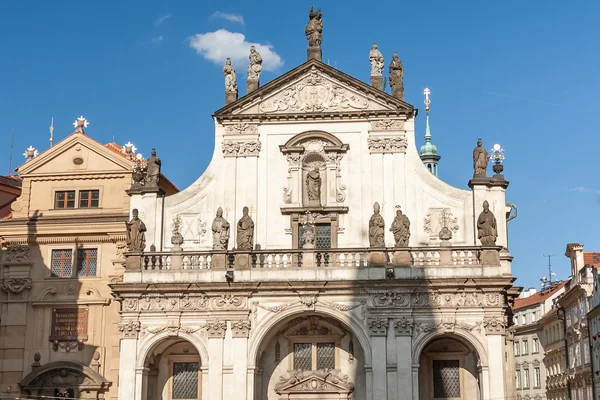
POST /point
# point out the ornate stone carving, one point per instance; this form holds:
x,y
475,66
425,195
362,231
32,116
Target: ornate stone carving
x,y
177,237
461,298
396,70
383,145
172,302
314,93
245,231
376,228
136,233
17,253
436,219
129,329
216,328
16,285
313,186
480,160
229,301
387,124
230,77
376,60
494,325
220,229
173,329
276,309
308,301
377,326
314,28
487,230
404,326
240,328
314,381
152,170
250,148
241,129
401,229
255,66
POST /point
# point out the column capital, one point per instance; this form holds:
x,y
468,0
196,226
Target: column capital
x,y
129,329
378,326
404,326
240,328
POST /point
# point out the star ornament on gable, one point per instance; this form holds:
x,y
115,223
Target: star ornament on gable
x,y
81,122
129,149
30,153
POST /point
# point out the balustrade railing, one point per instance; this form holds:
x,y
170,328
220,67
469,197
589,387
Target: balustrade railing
x,y
302,258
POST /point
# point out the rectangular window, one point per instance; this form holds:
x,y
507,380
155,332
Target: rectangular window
x,y
526,378
525,346
87,260
62,263
185,380
303,356
446,379
536,346
325,355
518,378
89,198
537,378
517,352
64,199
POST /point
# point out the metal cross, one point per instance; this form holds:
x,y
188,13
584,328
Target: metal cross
x,y
426,92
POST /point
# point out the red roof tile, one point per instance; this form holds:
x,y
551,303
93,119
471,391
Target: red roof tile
x,y
538,297
592,258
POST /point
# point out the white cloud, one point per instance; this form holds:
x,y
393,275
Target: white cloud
x,y
583,189
158,39
228,17
162,19
217,46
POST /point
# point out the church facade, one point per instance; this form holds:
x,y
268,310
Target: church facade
x,y
317,257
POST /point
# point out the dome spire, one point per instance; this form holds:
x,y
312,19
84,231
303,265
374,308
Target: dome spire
x,y
429,154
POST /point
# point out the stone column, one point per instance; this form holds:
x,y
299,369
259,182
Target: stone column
x,y
250,383
369,381
240,330
403,328
378,329
494,329
415,382
128,387
216,334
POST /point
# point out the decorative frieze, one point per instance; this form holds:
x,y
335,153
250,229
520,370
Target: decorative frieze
x,y
383,145
447,326
404,326
16,285
129,329
17,253
240,328
250,148
387,124
216,329
241,129
187,302
377,326
494,325
461,298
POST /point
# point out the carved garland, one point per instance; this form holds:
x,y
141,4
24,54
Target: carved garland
x,y
250,148
187,302
461,298
387,145
16,285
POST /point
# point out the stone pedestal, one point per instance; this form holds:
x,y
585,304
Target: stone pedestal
x,y
490,257
251,85
219,261
133,263
308,259
398,91
242,261
377,259
377,82
314,53
402,259
446,257
230,97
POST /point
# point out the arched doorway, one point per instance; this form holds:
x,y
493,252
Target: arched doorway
x,y
449,368
172,371
310,356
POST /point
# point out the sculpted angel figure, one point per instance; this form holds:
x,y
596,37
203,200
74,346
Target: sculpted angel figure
x,y
376,228
314,28
255,66
230,76
376,59
220,229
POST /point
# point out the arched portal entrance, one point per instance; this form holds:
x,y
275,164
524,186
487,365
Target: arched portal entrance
x,y
310,356
449,368
172,371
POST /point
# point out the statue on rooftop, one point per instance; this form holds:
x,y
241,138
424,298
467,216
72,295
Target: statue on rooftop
x,y
255,66
396,70
314,28
230,76
401,229
135,232
480,159
487,231
376,59
245,231
220,229
313,185
376,228
153,169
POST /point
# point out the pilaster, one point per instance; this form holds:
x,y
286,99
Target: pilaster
x,y
216,334
378,327
403,329
495,330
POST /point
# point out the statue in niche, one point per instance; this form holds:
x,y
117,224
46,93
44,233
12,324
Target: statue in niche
x,y
376,228
376,59
230,76
396,70
480,159
220,228
314,28
487,231
313,185
135,231
401,229
255,66
245,231
153,169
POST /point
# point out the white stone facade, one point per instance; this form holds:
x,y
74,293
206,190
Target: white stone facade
x,y
336,321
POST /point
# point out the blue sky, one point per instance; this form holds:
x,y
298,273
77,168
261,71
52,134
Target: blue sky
x,y
524,74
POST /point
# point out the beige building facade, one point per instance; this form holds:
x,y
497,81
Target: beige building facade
x,y
61,249
593,316
555,358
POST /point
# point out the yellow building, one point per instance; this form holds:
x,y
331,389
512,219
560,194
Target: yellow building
x,y
60,250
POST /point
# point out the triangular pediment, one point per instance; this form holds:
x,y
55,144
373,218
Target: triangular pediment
x,y
76,154
315,88
321,381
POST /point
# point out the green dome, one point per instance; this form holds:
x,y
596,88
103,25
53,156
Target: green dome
x,y
428,148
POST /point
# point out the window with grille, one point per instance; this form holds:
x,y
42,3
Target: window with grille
x,y
322,235
87,260
185,380
62,263
89,198
64,199
446,379
314,356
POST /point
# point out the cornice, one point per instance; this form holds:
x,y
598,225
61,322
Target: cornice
x,y
78,176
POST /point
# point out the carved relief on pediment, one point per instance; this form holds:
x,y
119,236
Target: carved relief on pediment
x,y
439,222
321,381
